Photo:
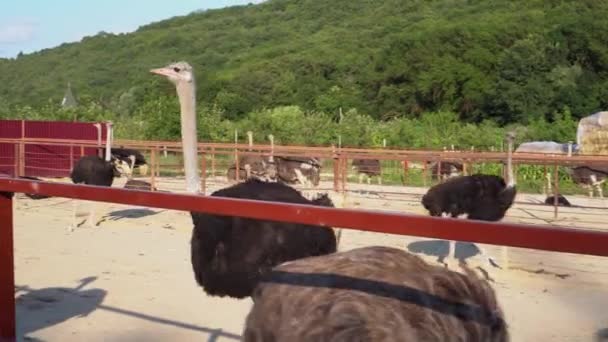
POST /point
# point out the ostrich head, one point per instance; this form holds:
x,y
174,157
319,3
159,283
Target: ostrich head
x,y
182,75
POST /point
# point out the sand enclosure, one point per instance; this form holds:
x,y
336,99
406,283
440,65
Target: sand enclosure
x,y
131,279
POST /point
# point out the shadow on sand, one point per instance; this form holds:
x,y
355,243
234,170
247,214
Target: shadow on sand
x,y
37,309
601,335
130,213
440,249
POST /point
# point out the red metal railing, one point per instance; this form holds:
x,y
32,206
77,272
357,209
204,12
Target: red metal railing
x,y
515,235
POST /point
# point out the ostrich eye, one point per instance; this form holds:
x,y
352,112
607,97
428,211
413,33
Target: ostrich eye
x,y
176,69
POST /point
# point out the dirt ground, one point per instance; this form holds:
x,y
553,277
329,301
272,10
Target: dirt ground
x,y
130,279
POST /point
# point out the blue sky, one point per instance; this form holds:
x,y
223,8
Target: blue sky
x,y
32,25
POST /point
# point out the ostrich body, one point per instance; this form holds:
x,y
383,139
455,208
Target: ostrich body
x,y
93,170
135,184
373,294
590,177
249,165
33,196
127,154
293,169
228,254
368,167
561,201
446,170
303,170
480,197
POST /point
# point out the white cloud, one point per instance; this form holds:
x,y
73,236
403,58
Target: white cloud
x,y
17,32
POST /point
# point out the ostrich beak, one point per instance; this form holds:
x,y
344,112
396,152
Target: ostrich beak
x,y
163,72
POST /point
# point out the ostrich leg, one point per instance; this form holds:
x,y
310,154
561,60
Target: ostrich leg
x,y
379,179
247,171
360,178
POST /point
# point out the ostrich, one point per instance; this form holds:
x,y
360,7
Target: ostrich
x,y
590,177
561,201
34,196
373,294
93,170
136,158
446,170
479,196
253,165
136,184
229,254
369,168
294,169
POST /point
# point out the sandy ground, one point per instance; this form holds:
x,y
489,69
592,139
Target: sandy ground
x,y
130,279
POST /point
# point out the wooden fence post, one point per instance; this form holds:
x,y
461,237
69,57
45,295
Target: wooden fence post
x,y
212,161
153,167
424,172
204,172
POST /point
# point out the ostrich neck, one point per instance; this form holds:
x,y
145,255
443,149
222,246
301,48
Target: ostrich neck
x,y
187,101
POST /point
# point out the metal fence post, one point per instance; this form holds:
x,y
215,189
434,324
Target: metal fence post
x,y
7,269
16,160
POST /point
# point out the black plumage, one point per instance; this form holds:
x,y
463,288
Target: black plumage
x,y
482,197
92,170
230,254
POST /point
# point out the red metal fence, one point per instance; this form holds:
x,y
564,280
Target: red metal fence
x,y
44,160
515,235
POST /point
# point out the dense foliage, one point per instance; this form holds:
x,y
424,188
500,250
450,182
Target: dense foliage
x,y
417,73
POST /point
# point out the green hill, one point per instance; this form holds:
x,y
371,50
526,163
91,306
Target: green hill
x,y
509,61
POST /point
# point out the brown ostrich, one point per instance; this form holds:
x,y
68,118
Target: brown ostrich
x,y
373,294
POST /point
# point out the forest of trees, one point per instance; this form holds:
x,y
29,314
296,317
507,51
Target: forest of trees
x,y
417,73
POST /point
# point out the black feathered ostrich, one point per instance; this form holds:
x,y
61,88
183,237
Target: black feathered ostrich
x,y
133,157
480,197
93,170
229,254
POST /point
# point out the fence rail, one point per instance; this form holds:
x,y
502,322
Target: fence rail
x,y
578,241
217,158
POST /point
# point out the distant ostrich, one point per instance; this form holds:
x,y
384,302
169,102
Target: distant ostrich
x,y
229,254
590,177
127,155
373,294
252,165
34,196
368,168
92,170
446,169
481,197
295,169
561,201
136,184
